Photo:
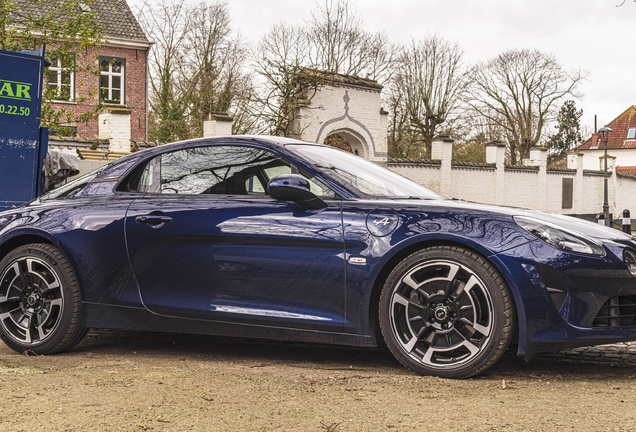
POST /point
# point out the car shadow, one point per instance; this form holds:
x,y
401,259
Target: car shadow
x,y
608,360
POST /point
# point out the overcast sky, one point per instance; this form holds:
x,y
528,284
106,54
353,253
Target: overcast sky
x,y
591,34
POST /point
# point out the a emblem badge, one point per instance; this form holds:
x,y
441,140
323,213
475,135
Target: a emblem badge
x,y
384,221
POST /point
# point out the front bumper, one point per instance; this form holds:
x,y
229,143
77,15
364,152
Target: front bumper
x,y
565,299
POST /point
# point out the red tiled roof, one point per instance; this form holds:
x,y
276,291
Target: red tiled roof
x,y
618,137
626,170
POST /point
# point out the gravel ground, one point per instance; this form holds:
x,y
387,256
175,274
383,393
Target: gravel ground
x,y
116,381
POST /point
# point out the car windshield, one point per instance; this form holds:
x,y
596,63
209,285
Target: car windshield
x,y
364,178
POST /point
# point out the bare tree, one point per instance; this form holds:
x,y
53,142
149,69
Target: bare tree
x,y
245,122
216,59
426,88
292,62
339,44
166,25
197,67
403,140
519,91
470,133
279,58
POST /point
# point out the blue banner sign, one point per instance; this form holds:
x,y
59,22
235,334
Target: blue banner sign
x,y
21,148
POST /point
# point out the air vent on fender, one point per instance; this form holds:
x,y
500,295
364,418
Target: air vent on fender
x,y
557,289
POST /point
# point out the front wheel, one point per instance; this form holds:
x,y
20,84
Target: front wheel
x,y
446,311
40,301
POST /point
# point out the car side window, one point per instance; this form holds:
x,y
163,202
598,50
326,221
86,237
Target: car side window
x,y
217,170
150,177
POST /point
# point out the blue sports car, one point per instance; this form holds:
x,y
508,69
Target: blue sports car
x,y
267,237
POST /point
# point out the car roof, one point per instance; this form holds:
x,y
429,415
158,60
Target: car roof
x,y
124,164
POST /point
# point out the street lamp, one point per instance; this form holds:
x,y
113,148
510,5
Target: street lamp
x,y
605,132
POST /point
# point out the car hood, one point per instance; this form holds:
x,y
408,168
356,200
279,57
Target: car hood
x,y
587,228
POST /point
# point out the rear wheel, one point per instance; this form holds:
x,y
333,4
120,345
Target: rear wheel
x,y
40,301
446,311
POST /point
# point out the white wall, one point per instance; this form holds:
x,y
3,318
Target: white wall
x,y
215,127
473,182
592,159
520,189
532,187
349,108
625,197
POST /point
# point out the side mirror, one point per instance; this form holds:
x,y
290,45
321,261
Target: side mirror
x,y
296,188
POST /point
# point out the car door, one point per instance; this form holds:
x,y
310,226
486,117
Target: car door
x,y
207,242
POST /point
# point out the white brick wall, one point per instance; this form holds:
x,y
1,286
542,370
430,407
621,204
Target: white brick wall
x,y
520,189
593,194
528,187
473,183
358,119
428,177
114,125
212,128
625,196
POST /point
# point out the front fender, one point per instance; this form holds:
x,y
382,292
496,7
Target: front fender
x,y
485,233
11,238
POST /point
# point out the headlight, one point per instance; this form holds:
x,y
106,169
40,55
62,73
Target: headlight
x,y
559,237
630,261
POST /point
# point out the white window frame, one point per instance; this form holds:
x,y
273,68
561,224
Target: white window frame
x,y
633,130
57,68
110,74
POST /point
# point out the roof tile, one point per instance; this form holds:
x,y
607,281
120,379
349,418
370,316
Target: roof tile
x,y
115,17
629,170
618,137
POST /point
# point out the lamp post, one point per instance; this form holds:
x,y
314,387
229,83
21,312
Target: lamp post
x,y
605,132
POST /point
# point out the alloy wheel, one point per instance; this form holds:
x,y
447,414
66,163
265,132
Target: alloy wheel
x,y
441,314
31,300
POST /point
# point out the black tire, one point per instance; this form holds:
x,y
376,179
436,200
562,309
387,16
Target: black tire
x,y
446,311
40,300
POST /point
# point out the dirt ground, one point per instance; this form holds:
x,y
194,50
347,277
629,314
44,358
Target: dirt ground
x,y
132,382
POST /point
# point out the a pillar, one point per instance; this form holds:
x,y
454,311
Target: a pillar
x,y
539,157
496,154
442,150
218,124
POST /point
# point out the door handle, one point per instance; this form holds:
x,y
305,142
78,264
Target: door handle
x,y
152,219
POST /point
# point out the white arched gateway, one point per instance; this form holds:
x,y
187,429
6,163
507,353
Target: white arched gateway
x,y
350,107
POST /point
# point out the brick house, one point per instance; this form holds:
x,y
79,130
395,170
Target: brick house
x,y
122,82
621,146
